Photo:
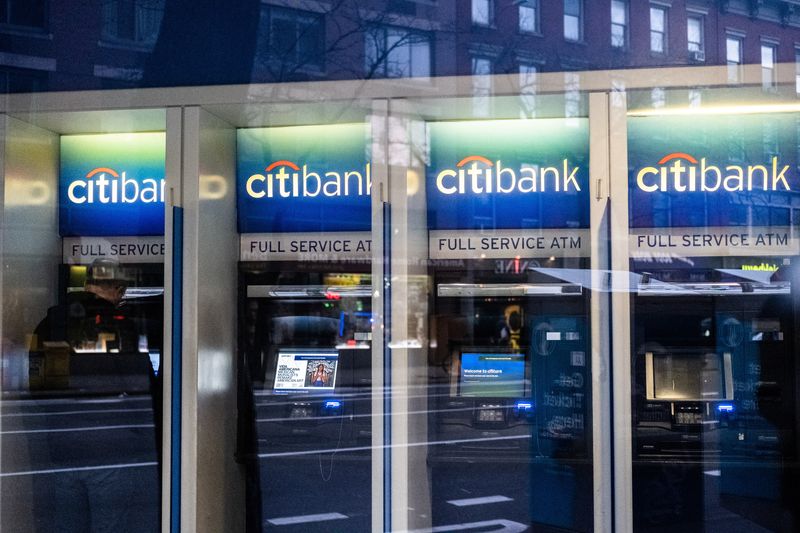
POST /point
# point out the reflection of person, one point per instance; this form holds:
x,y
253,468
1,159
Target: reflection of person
x,y
92,319
320,377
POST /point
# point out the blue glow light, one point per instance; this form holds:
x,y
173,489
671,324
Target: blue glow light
x,y
725,408
332,404
524,405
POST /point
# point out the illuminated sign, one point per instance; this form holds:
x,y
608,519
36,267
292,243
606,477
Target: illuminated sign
x,y
112,185
490,175
480,175
681,172
307,184
723,186
304,179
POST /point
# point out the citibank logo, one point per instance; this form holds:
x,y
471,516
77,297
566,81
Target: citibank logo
x,y
107,186
681,172
478,175
292,181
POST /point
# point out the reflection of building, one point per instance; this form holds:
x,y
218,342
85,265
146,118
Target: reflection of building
x,y
128,43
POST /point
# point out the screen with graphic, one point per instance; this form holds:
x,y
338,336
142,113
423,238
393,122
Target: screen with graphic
x,y
492,375
300,370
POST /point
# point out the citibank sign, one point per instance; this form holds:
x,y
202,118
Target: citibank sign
x,y
476,174
286,179
107,186
681,172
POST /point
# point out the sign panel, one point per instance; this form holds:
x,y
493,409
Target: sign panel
x,y
723,171
500,244
329,246
304,179
507,188
716,241
112,184
84,250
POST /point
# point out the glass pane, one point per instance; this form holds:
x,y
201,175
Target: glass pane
x,y
714,271
617,35
656,41
572,7
694,30
527,18
572,29
733,50
618,12
481,12
767,56
507,361
657,23
306,319
82,322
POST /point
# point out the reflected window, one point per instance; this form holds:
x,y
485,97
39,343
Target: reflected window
x,y
695,38
293,37
797,69
481,84
30,13
619,23
393,52
482,11
527,88
658,30
733,56
768,53
134,21
573,20
529,16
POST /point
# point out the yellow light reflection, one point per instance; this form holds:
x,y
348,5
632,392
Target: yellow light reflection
x,y
743,109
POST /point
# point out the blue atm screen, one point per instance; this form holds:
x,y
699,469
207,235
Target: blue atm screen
x,y
492,375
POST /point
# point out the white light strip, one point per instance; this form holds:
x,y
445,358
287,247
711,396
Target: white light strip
x,y
744,109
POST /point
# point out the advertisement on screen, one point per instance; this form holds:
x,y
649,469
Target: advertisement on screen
x,y
306,371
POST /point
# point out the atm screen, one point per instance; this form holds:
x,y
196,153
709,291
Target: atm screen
x,y
697,376
492,375
306,370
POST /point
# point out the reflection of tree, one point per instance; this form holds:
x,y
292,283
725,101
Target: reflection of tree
x,y
337,34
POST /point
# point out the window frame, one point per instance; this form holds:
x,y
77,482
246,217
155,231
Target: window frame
x,y
579,17
535,6
285,12
701,43
489,22
383,71
663,33
625,25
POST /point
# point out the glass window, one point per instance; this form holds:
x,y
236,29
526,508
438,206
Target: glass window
x,y
393,52
135,21
29,13
733,56
481,85
713,324
294,39
573,20
768,52
694,34
797,69
482,12
619,23
658,30
527,87
529,16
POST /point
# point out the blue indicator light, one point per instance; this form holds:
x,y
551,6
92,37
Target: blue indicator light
x,y
523,406
725,408
332,404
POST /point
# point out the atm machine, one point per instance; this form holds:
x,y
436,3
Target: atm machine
x,y
714,379
510,387
305,323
